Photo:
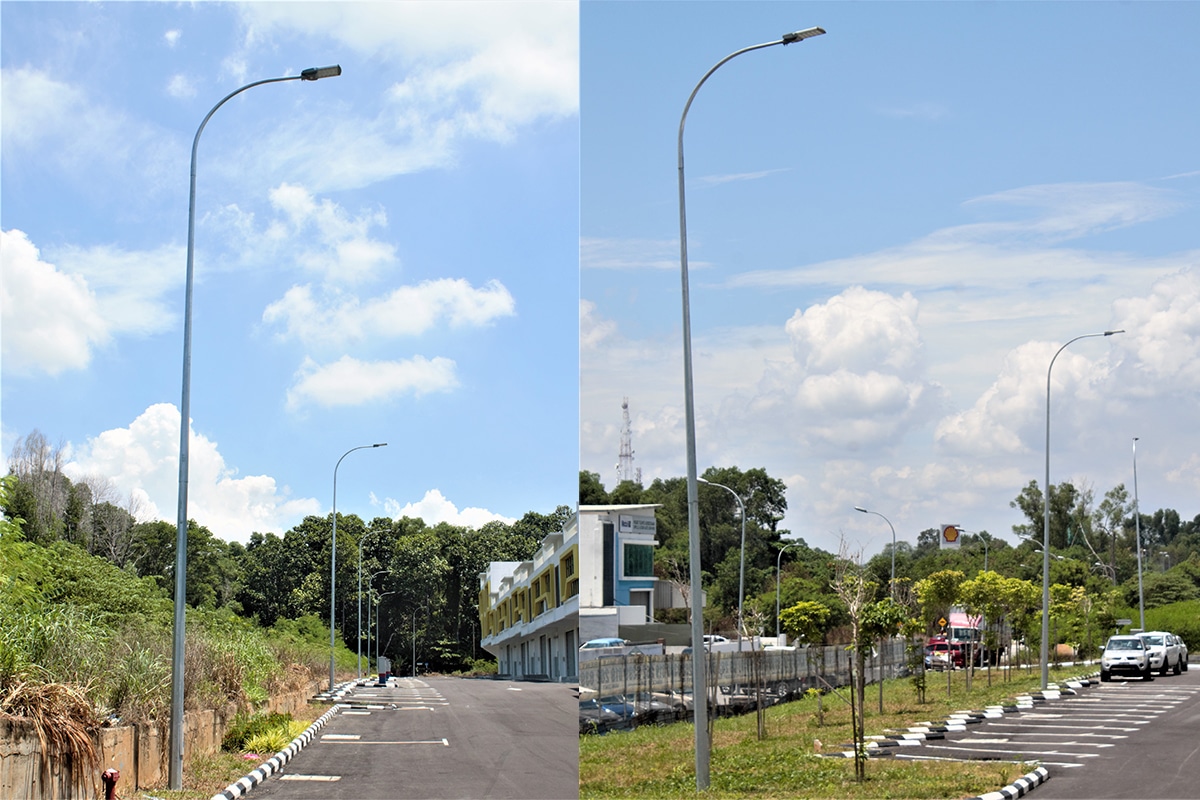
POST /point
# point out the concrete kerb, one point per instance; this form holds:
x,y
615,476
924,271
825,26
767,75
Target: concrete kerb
x,y
1019,787
275,763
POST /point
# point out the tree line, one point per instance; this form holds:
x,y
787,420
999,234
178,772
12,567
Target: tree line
x,y
423,579
1093,547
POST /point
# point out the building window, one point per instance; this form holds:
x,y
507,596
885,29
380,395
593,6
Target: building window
x,y
639,561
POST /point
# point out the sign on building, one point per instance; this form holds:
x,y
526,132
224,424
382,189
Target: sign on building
x,y
628,523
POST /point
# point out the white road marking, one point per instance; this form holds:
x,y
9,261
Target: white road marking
x,y
442,742
341,736
327,778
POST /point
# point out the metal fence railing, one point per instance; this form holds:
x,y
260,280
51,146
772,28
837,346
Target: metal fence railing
x,y
660,687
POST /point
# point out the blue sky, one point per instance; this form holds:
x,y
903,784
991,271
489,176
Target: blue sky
x,y
892,228
390,255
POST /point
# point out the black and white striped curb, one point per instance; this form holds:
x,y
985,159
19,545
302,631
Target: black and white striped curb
x,y
335,694
1020,787
235,790
959,720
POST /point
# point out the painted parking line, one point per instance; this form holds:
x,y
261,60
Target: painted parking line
x,y
352,737
442,742
325,778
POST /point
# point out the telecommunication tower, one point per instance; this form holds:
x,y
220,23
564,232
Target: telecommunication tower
x,y
625,468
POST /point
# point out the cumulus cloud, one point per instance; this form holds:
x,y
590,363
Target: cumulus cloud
x,y
1163,332
855,375
143,461
350,382
434,508
171,37
405,311
52,320
56,314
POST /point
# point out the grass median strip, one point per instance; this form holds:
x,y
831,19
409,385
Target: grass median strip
x,y
658,761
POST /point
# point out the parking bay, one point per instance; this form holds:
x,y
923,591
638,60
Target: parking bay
x,y
1066,733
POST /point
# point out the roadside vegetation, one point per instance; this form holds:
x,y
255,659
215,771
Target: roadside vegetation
x,y
791,761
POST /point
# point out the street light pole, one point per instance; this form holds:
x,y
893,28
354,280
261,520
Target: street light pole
x,y
699,668
1045,652
778,576
333,556
370,583
378,626
741,559
892,585
175,759
1137,523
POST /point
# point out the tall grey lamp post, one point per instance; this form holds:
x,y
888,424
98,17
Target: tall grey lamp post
x,y
333,557
892,584
175,759
1045,653
741,560
778,576
699,668
1137,526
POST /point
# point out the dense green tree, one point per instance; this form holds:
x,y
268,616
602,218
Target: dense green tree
x,y
591,490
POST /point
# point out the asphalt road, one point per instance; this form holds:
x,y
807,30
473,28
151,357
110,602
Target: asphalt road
x,y
441,738
1117,740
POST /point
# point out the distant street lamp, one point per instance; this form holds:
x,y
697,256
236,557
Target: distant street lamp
x,y
985,545
699,668
370,583
778,578
1137,522
1045,653
741,560
175,757
378,626
333,556
889,522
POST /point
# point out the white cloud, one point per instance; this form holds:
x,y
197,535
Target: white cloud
x,y
171,37
597,253
143,459
57,123
469,71
52,320
1163,332
350,382
57,313
181,86
434,508
348,253
406,311
593,329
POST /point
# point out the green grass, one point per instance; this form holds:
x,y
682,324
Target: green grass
x,y
659,761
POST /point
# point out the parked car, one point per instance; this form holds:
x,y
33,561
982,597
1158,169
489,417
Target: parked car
x,y
1183,652
1125,655
1164,651
596,644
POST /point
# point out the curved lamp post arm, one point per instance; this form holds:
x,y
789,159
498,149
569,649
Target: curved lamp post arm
x,y
741,558
1045,652
892,586
778,578
333,555
699,668
175,743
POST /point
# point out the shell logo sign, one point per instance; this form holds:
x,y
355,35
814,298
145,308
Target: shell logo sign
x,y
950,536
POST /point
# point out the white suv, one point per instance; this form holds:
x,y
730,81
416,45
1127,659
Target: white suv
x,y
1125,655
1164,651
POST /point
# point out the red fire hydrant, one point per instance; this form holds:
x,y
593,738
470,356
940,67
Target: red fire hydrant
x,y
110,778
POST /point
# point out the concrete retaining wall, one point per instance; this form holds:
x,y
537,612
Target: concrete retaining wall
x,y
140,752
